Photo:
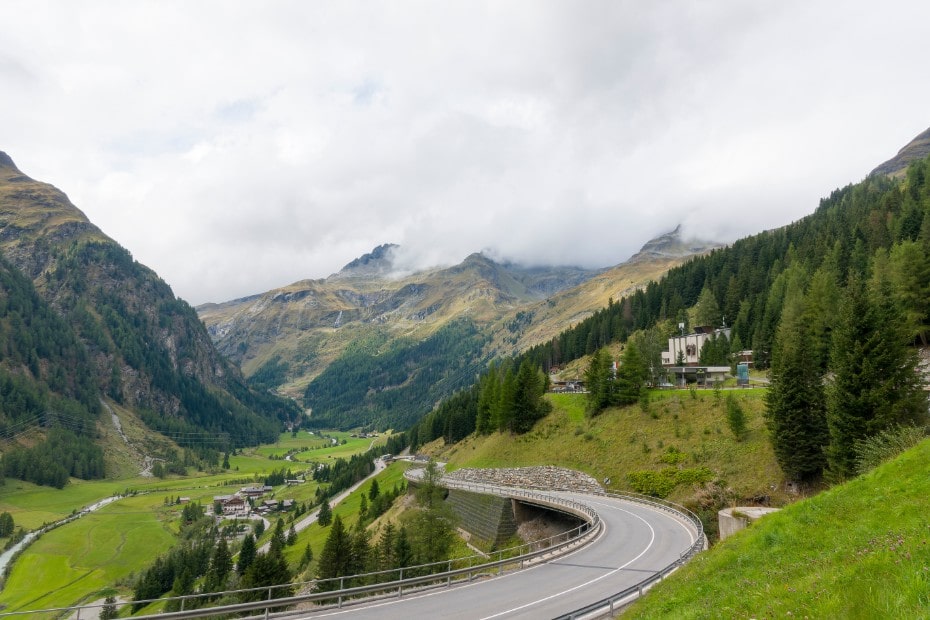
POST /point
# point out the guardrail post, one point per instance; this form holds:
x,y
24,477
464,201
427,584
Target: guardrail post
x,y
183,600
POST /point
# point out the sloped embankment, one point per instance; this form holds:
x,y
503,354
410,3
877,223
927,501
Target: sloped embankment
x,y
859,550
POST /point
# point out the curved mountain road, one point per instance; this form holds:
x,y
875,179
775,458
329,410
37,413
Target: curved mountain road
x,y
637,541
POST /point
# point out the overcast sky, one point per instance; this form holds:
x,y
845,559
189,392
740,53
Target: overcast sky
x,y
235,147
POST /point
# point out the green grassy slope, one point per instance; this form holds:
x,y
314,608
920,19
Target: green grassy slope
x,y
859,550
680,441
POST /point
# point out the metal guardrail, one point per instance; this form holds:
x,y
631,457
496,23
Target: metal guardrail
x,y
514,558
610,605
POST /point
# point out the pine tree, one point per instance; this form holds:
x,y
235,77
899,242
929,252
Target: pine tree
x,y
325,517
246,554
487,397
268,569
109,610
795,399
909,271
361,552
736,418
6,525
432,528
386,548
505,401
278,539
291,536
599,383
706,311
630,376
528,403
307,557
220,567
336,556
403,553
875,382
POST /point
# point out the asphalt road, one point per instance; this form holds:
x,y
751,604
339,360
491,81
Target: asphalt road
x,y
637,541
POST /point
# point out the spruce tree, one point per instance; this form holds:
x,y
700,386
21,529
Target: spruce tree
x,y
736,418
268,569
246,554
386,548
109,610
336,556
307,557
795,410
706,311
875,382
528,403
598,383
487,398
220,567
325,516
403,553
630,376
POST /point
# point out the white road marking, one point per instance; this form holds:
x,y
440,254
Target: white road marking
x,y
587,583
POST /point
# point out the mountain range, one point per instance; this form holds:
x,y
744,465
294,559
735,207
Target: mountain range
x,y
381,330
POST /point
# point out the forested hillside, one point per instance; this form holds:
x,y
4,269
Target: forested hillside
x,y
393,383
80,320
45,380
831,303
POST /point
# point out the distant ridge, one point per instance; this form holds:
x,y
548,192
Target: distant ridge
x,y
916,149
378,262
671,245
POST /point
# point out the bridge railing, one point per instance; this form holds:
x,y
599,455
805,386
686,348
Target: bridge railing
x,y
607,607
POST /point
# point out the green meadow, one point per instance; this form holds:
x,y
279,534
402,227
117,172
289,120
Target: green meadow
x,y
687,425
82,560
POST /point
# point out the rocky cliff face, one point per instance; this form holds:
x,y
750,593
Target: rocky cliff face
x,y
148,348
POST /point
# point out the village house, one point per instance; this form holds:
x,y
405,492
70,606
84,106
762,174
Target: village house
x,y
254,492
233,505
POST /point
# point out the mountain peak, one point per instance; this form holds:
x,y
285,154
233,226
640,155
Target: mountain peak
x,y
379,261
918,148
672,245
7,162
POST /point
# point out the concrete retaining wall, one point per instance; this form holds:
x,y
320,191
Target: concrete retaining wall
x,y
732,520
487,518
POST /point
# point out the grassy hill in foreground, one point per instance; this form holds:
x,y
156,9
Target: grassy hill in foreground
x,y
858,550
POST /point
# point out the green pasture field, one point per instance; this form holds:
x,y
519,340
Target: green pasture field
x,y
75,562
32,505
353,445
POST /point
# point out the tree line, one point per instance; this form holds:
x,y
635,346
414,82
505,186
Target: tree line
x,y
507,398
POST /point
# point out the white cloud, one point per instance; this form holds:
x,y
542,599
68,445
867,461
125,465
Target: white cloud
x,y
235,147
